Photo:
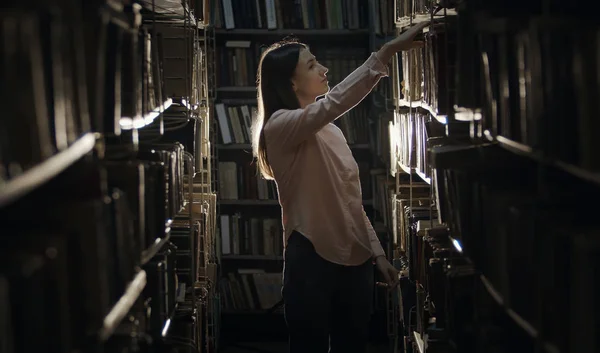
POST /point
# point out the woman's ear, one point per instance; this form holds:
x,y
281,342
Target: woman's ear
x,y
293,82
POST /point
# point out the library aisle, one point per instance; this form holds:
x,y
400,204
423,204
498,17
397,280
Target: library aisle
x,y
134,219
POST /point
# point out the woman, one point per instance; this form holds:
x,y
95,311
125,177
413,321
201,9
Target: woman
x,y
330,244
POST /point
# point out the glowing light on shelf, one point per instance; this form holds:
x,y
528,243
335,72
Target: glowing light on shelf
x,y
138,123
457,245
148,119
166,328
128,123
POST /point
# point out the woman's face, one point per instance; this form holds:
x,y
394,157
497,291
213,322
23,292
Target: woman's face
x,y
310,79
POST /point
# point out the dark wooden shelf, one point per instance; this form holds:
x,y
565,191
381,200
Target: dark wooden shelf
x,y
153,249
123,306
521,322
515,147
527,151
128,123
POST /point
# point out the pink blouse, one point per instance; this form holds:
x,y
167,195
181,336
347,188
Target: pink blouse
x,y
317,176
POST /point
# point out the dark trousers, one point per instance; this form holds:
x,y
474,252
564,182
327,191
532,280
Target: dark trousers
x,y
326,304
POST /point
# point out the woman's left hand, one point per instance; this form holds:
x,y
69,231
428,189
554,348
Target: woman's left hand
x,y
389,272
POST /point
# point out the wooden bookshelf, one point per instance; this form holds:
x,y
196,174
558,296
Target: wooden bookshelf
x,y
509,174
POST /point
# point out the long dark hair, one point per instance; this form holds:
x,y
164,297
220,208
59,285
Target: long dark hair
x,y
274,86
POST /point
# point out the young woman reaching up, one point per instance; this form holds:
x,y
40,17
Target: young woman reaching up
x,y
330,244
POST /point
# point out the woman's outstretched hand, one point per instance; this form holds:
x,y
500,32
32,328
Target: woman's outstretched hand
x,y
404,41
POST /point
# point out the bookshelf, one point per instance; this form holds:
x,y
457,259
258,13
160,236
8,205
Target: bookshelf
x,y
490,164
106,190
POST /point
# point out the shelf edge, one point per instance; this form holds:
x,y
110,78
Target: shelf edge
x,y
153,249
43,172
123,306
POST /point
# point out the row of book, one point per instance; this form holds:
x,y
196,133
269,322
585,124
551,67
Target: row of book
x,y
165,50
550,290
402,144
115,212
340,62
250,236
380,135
466,243
44,91
497,218
300,14
190,10
204,227
250,290
427,79
383,191
408,196
238,60
49,83
235,122
522,103
237,63
382,20
355,124
407,8
498,234
241,181
413,133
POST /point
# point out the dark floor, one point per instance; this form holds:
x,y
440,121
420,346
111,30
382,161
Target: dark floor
x,y
246,333
280,347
